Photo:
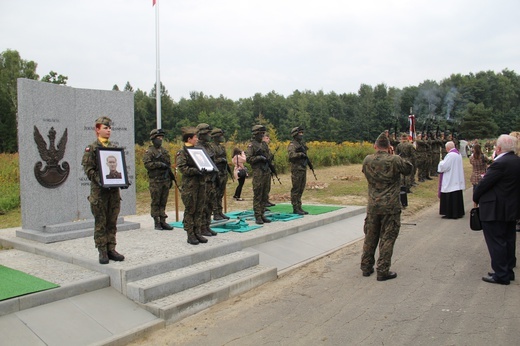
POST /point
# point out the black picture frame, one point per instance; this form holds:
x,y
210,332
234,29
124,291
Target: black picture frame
x,y
202,159
108,177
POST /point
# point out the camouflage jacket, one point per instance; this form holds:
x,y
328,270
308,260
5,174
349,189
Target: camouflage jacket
x,y
154,160
90,166
383,171
406,150
297,152
220,158
258,154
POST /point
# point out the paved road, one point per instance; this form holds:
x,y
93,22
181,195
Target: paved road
x,y
438,298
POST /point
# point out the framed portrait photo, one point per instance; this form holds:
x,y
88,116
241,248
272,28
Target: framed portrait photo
x,y
202,159
112,167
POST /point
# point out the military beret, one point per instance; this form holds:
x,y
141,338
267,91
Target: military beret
x,y
156,133
258,129
104,121
382,141
217,132
204,128
296,130
188,130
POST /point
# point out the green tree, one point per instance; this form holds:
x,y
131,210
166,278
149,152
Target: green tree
x,y
55,78
478,122
12,67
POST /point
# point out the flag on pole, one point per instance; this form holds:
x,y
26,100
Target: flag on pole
x,y
153,2
411,120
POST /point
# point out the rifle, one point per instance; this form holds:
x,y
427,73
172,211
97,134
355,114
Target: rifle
x,y
230,173
172,178
308,161
272,168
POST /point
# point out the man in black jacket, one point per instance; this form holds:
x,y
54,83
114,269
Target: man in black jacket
x,y
498,197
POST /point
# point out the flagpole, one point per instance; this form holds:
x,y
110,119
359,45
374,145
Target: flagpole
x,y
157,63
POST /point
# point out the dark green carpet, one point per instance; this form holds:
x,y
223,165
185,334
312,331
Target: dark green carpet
x,y
312,209
14,283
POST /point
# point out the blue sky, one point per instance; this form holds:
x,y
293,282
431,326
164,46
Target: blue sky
x,y
237,48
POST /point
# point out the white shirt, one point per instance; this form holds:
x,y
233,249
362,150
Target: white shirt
x,y
453,172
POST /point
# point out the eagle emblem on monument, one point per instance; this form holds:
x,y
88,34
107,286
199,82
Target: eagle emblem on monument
x,y
53,174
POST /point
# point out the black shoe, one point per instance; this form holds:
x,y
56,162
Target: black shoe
x,y
259,221
511,276
192,239
265,209
304,212
206,232
368,272
492,280
115,256
217,217
224,216
265,220
269,204
387,276
299,212
165,226
103,257
428,178
213,233
200,238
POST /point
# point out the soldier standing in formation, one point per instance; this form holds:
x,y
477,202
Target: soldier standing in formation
x,y
436,145
211,179
422,150
297,151
257,154
270,159
193,188
223,170
105,203
406,150
383,220
157,162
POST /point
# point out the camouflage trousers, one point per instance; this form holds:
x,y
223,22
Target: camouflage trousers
x,y
159,192
261,181
299,180
219,192
193,196
105,205
209,202
423,166
382,229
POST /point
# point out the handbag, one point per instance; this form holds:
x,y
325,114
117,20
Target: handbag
x,y
474,220
242,173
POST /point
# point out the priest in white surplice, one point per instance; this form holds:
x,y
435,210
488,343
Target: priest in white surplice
x,y
451,184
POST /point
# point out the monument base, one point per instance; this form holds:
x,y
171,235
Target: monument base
x,y
70,230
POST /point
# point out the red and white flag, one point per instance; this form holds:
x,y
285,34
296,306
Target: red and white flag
x,y
153,2
411,120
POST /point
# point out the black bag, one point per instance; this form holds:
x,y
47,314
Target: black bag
x,y
242,173
474,220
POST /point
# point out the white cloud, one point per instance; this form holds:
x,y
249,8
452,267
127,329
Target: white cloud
x,y
237,48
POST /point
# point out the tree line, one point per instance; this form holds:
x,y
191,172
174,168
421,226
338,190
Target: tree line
x,y
480,105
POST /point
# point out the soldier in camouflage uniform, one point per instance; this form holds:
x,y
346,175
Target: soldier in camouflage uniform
x,y
223,169
211,179
297,151
383,219
193,188
257,154
443,146
157,162
105,203
436,155
422,150
406,150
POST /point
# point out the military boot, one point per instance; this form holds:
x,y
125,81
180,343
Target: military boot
x,y
157,223
217,216
103,256
224,215
192,239
259,220
206,231
304,212
165,225
265,220
201,238
115,256
297,211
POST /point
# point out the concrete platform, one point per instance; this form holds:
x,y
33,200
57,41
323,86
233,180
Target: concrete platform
x,y
158,264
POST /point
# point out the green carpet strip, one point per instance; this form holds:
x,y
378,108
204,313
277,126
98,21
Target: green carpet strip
x,y
14,283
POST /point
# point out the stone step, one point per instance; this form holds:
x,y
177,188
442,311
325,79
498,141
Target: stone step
x,y
162,285
72,279
183,304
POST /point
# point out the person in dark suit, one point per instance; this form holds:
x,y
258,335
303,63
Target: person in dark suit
x,y
498,197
